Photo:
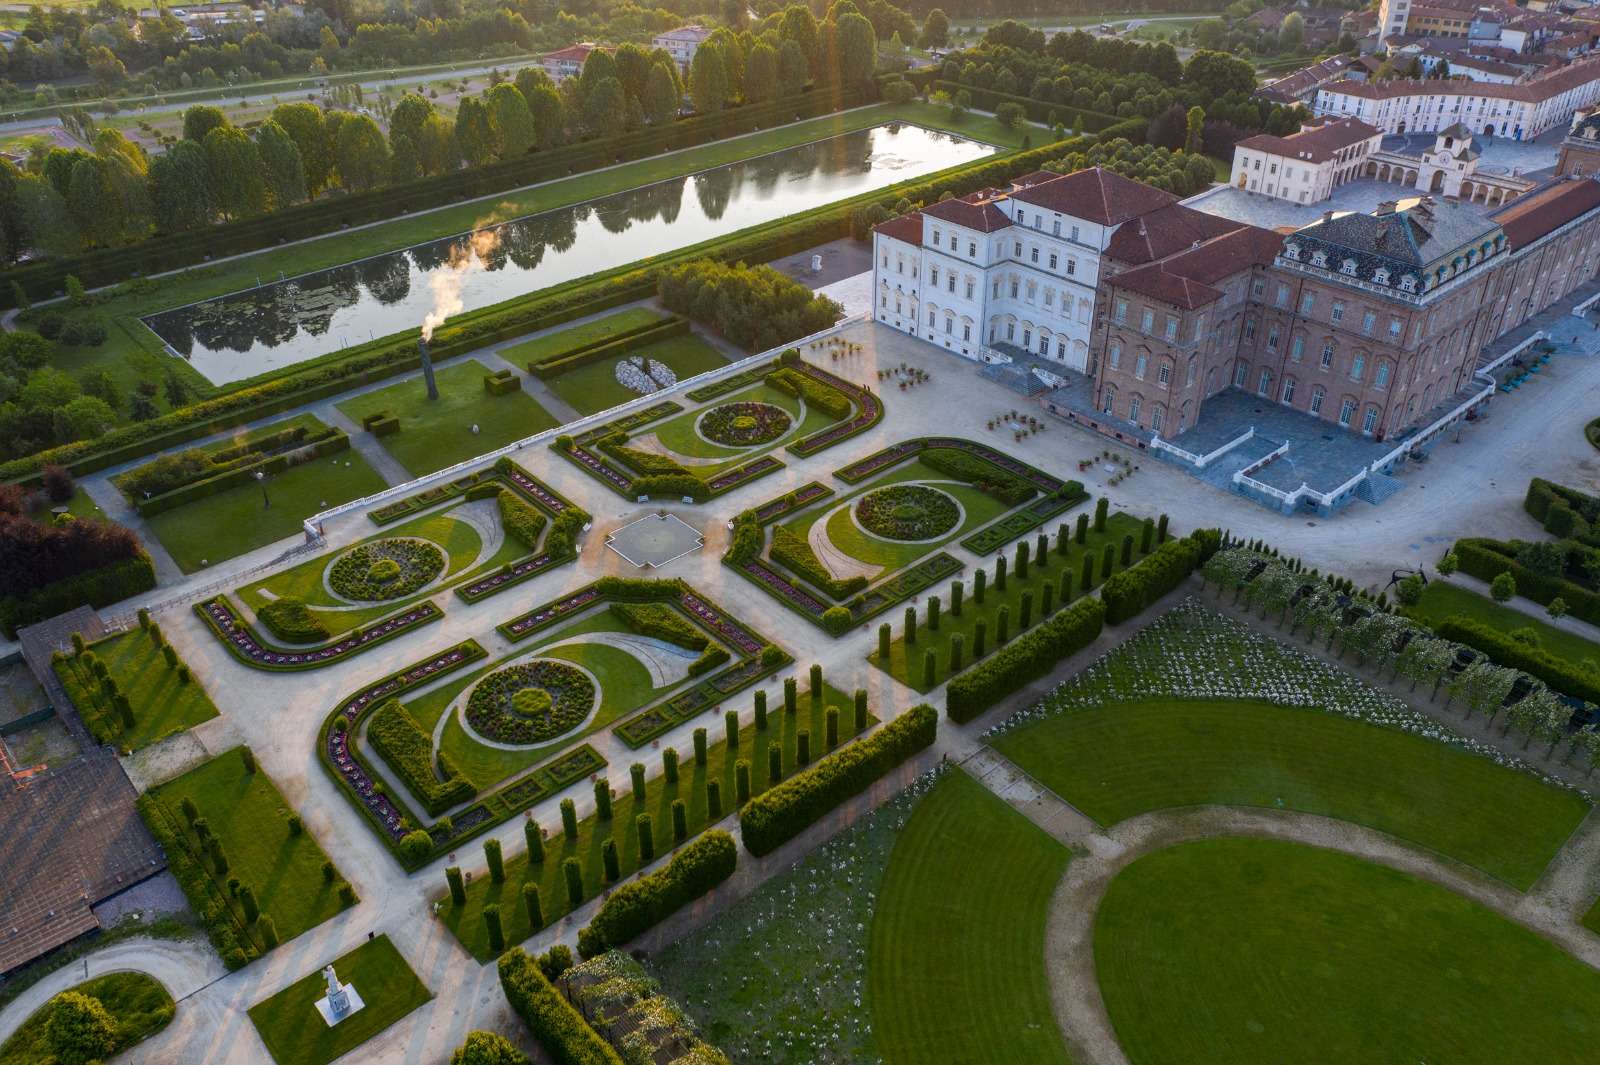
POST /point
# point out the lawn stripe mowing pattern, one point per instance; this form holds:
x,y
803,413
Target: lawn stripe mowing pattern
x,y
138,1002
162,704
295,1034
230,523
250,816
956,967
466,922
438,433
905,662
1199,709
1441,600
1251,951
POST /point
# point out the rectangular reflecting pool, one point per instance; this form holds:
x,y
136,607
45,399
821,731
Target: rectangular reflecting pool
x,y
246,333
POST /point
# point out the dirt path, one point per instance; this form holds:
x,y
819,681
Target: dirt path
x,y
1551,908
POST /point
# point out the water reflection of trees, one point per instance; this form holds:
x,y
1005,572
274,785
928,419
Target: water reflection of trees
x,y
714,189
387,277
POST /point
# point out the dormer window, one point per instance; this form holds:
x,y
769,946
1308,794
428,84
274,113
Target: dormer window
x,y
1319,258
1408,283
1291,251
1348,267
1381,277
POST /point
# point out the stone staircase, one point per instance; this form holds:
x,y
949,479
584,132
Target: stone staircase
x,y
1376,487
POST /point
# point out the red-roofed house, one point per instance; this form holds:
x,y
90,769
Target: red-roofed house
x,y
1304,167
566,62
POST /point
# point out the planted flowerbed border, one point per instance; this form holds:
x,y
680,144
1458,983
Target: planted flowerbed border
x,y
389,814
504,471
754,657
248,646
1030,516
869,411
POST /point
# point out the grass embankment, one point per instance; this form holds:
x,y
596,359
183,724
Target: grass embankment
x,y
1441,600
956,967
1120,760
1251,951
250,817
435,433
466,922
138,1003
162,702
295,1034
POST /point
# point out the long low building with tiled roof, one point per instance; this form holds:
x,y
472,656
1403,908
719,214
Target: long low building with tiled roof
x,y
1521,111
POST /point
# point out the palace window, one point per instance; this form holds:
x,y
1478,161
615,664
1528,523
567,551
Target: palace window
x,y
1337,314
1264,382
1317,395
1358,366
1347,410
1288,390
1239,373
1140,364
1369,421
1164,374
1133,410
1327,354
1297,348
1114,355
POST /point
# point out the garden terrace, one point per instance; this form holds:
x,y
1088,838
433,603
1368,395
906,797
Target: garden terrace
x,y
1232,716
1191,940
294,1034
256,829
755,744
906,661
249,647
162,698
752,655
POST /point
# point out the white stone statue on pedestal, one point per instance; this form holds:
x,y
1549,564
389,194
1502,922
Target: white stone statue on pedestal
x,y
341,1000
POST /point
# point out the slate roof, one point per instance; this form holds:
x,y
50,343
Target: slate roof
x,y
1419,234
1545,209
1096,194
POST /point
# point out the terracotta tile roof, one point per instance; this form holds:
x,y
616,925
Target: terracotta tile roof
x,y
1308,78
1534,214
1190,278
578,52
908,227
1165,232
1541,88
1098,195
975,211
1315,143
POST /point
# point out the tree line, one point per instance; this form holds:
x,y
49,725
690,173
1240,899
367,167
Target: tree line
x,y
68,200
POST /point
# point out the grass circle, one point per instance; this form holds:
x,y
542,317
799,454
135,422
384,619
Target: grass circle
x,y
744,424
907,512
385,569
533,702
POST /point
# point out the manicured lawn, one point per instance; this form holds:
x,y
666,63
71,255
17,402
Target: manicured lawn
x,y
461,543
679,435
219,527
294,1032
566,341
162,703
1440,600
1125,759
593,388
249,815
438,433
905,662
310,422
1591,918
138,1003
956,968
1252,951
721,765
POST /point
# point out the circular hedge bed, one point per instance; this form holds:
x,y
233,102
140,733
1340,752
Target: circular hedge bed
x,y
907,512
530,703
744,424
385,569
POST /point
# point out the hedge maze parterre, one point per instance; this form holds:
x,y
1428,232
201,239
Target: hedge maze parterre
x,y
838,563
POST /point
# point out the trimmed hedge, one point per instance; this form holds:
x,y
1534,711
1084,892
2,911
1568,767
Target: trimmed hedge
x,y
397,737
644,335
1025,659
1037,110
791,551
829,400
1487,559
291,620
1564,512
641,904
560,1029
520,518
661,623
1128,592
645,462
96,588
329,443
1565,677
232,943
780,813
982,474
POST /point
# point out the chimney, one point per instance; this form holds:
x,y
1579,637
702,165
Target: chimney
x,y
427,368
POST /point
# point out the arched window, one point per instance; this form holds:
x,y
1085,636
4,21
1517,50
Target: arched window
x,y
1381,277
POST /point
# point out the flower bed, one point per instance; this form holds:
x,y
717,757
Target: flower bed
x,y
744,424
869,411
506,576
248,646
531,703
504,470
385,569
907,512
750,471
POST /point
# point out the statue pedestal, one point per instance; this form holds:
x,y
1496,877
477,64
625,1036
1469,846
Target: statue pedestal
x,y
335,1008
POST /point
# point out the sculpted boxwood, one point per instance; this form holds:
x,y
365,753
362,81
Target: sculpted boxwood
x,y
385,569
